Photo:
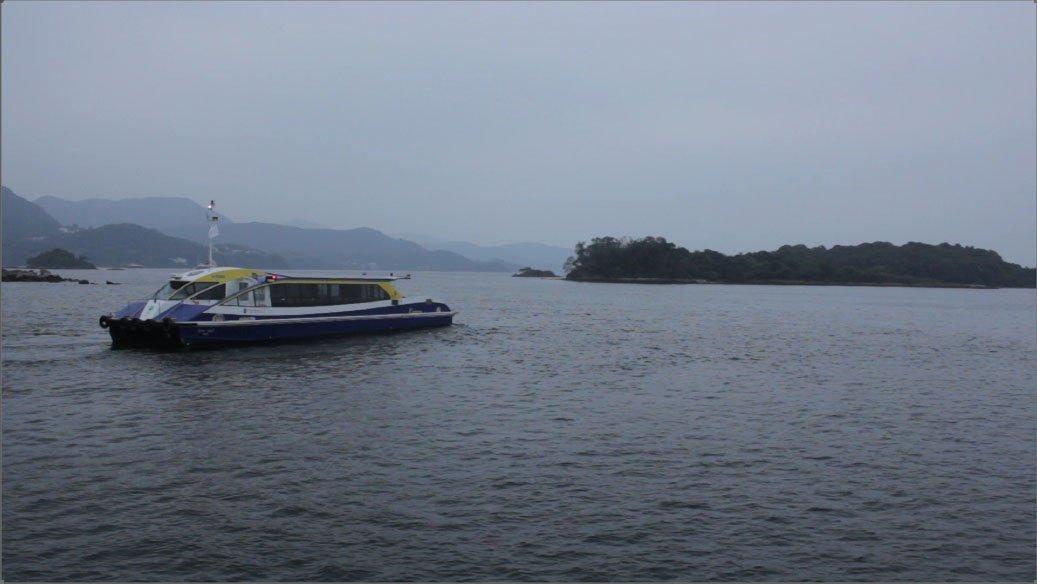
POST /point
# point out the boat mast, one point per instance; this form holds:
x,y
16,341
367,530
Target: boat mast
x,y
213,229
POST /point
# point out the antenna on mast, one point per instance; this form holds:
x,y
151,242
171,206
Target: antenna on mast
x,y
213,229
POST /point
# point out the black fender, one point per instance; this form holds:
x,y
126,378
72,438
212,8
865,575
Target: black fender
x,y
167,327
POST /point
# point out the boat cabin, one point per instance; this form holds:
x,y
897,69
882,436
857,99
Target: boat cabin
x,y
209,284
291,292
244,287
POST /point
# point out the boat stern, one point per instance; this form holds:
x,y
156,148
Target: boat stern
x,y
127,332
149,324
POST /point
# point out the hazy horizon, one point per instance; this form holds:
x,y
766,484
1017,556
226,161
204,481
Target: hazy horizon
x,y
735,127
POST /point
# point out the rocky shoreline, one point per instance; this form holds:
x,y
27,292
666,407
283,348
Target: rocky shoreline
x,y
41,275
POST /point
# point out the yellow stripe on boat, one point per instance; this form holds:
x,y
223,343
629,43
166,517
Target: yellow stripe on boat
x,y
230,274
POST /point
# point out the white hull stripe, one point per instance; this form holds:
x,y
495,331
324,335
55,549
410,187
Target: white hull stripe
x,y
266,321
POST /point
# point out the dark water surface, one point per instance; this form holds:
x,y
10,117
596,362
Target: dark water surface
x,y
557,431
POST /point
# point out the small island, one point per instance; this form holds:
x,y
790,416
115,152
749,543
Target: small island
x,y
653,260
60,259
529,272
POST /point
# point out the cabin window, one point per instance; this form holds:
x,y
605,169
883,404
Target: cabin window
x,y
313,294
164,292
209,291
190,290
350,293
255,297
215,293
242,300
259,294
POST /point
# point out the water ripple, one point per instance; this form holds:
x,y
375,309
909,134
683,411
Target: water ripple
x,y
559,431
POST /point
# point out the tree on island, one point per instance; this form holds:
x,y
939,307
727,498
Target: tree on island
x,y
654,258
59,258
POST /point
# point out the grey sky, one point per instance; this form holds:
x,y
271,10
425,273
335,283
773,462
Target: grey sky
x,y
730,126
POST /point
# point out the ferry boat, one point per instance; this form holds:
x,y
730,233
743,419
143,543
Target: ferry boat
x,y
223,305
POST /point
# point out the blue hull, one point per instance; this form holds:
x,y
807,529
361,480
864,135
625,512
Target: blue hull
x,y
272,331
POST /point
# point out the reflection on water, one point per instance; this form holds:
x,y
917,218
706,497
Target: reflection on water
x,y
557,431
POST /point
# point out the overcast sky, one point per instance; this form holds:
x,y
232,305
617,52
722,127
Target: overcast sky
x,y
735,127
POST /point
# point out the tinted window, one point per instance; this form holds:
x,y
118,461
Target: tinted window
x,y
325,294
190,290
164,292
259,295
214,293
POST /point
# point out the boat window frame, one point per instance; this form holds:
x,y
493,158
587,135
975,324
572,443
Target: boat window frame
x,y
389,296
226,301
384,294
172,290
200,292
191,297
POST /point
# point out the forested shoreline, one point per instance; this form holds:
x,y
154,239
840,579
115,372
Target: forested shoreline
x,y
656,260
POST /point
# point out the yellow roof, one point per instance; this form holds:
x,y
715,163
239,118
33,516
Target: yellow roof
x,y
220,274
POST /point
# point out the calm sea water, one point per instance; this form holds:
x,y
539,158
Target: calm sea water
x,y
557,431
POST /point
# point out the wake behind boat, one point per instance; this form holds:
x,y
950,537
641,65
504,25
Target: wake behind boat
x,y
222,305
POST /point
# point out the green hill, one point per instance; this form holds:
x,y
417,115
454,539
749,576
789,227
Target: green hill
x,y
28,230
126,243
182,221
24,219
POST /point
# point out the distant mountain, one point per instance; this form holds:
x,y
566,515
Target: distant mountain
x,y
154,212
124,243
24,219
537,255
110,232
305,224
363,248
